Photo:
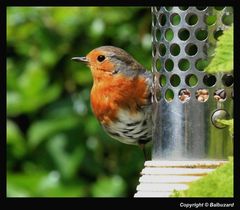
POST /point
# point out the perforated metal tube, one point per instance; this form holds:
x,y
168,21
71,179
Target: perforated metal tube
x,y
183,40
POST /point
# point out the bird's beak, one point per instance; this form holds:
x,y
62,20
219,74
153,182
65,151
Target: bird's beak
x,y
80,59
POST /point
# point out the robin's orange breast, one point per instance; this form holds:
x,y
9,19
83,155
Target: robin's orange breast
x,y
111,93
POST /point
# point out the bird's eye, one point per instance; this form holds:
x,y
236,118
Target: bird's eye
x,y
101,58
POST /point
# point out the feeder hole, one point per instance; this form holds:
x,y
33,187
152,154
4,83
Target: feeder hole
x,y
191,80
202,95
162,49
227,80
210,20
175,80
201,64
191,49
169,95
183,34
158,35
175,19
184,64
169,34
158,64
227,19
174,49
191,19
162,80
209,80
201,34
162,19
184,95
220,95
169,64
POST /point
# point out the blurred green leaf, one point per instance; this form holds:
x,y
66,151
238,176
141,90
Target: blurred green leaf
x,y
93,125
43,184
33,79
67,163
18,104
109,187
41,130
83,76
97,28
223,59
228,123
15,139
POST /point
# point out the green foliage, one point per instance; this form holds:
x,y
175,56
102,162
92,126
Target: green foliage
x,y
55,146
15,140
223,59
41,183
228,123
218,183
107,187
223,62
40,130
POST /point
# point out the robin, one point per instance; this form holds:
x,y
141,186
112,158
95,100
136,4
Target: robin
x,y
121,95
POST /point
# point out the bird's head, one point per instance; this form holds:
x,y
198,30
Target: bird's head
x,y
109,60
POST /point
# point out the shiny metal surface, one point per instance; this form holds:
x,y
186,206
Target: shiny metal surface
x,y
186,97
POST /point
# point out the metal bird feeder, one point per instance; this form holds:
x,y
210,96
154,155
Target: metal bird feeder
x,y
188,139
